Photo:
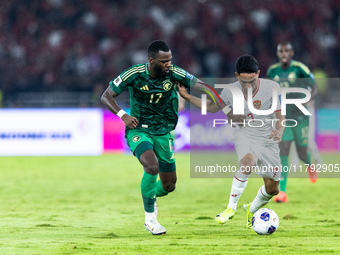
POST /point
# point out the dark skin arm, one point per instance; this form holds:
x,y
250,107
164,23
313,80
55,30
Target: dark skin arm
x,y
108,99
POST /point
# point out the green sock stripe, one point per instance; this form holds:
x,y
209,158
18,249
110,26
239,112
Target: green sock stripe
x,y
166,167
149,204
160,191
284,173
141,148
283,184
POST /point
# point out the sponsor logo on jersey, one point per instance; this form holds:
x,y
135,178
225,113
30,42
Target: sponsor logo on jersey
x,y
167,84
136,138
189,75
117,81
292,77
257,104
145,87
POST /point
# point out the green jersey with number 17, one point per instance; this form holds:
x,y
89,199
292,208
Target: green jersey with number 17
x,y
153,101
296,75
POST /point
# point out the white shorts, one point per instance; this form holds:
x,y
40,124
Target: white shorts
x,y
266,153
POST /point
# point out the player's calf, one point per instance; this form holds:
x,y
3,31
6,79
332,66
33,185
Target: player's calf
x,y
169,187
151,169
273,191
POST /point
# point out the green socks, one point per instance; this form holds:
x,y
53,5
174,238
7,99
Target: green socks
x,y
149,191
284,173
285,170
160,191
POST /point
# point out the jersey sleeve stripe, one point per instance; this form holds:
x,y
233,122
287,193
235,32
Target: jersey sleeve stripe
x,y
272,67
128,71
302,66
140,68
180,74
137,70
180,70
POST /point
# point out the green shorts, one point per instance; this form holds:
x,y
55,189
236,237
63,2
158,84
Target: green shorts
x,y
140,141
299,134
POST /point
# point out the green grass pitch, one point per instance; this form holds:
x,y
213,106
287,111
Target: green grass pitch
x,y
92,205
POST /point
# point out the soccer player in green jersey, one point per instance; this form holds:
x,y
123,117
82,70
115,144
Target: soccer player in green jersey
x,y
154,114
291,73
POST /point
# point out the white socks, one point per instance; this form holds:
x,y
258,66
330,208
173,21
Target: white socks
x,y
260,200
149,216
239,184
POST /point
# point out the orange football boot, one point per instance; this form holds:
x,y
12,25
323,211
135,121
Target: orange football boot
x,y
281,197
313,175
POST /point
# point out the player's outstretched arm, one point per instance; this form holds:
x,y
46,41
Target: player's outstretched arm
x,y
211,107
108,99
277,133
235,118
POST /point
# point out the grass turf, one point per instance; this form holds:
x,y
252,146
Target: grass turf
x,y
92,205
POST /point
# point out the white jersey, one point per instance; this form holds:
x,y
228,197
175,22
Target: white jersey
x,y
256,126
253,137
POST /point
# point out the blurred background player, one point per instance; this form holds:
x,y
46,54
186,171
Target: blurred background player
x,y
291,73
255,146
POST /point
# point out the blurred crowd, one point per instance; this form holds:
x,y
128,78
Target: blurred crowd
x,y
80,45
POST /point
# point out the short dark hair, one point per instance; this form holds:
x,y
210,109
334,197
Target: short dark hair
x,y
247,64
156,46
285,43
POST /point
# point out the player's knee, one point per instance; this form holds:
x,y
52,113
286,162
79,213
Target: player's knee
x,y
151,169
169,187
247,163
284,148
247,166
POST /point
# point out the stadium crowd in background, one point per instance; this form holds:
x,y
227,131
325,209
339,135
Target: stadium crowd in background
x,y
59,45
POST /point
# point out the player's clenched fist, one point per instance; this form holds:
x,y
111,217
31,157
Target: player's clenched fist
x,y
130,121
276,135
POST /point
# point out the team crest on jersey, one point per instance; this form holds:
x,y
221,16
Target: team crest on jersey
x,y
257,104
292,77
167,84
136,138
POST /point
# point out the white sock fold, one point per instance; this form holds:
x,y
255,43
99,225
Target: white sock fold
x,y
149,216
261,199
239,184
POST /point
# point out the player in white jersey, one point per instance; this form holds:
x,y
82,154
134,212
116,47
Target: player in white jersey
x,y
256,137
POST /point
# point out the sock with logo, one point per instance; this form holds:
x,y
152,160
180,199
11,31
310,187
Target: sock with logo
x,y
239,184
148,189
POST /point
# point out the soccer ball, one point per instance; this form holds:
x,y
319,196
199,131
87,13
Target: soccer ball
x,y
265,221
